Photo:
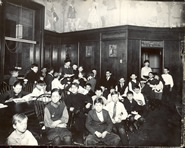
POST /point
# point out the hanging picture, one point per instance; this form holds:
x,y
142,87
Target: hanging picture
x,y
112,50
88,50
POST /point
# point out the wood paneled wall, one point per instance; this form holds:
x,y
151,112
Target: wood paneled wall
x,y
171,38
99,41
172,60
1,43
128,42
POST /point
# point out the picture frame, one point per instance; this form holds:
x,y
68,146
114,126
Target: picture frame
x,y
88,51
113,50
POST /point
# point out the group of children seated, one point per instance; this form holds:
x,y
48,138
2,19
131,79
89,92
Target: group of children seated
x,y
90,110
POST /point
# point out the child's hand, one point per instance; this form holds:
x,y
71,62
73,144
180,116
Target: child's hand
x,y
104,134
117,120
62,125
140,102
128,115
134,112
98,134
137,117
88,105
71,109
56,123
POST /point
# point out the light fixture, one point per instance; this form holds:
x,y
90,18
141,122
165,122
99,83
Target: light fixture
x,y
1,3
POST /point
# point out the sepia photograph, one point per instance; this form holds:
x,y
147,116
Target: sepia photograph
x,y
92,73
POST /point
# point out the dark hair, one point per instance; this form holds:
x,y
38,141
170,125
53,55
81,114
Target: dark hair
x,y
115,93
90,74
94,69
99,88
60,92
44,67
40,82
146,61
167,68
50,69
75,84
80,66
160,78
67,60
17,83
130,92
98,100
88,84
34,65
108,70
55,90
13,70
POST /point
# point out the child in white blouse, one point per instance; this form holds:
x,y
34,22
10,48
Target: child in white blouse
x,y
56,83
21,136
168,84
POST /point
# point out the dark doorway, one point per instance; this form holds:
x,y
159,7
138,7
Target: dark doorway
x,y
154,55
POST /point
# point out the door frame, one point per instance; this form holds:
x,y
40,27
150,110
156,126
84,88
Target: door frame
x,y
151,44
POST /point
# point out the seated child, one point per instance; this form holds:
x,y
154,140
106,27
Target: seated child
x,y
39,89
139,98
91,80
118,114
89,89
81,90
109,97
134,118
81,76
148,92
56,119
78,105
14,74
133,82
98,94
56,82
21,136
15,92
99,124
75,71
158,90
121,87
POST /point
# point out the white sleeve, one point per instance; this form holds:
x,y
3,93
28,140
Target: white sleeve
x,y
142,73
171,82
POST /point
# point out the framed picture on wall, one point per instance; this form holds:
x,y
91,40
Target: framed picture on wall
x,y
88,51
112,50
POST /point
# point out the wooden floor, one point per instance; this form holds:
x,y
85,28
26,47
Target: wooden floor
x,y
162,128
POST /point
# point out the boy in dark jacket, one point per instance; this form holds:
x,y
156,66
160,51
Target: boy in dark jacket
x,y
99,125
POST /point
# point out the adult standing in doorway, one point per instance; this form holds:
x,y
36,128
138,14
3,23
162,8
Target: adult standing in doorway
x,y
145,70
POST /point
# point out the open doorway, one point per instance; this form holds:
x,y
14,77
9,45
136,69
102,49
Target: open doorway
x,y
154,55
